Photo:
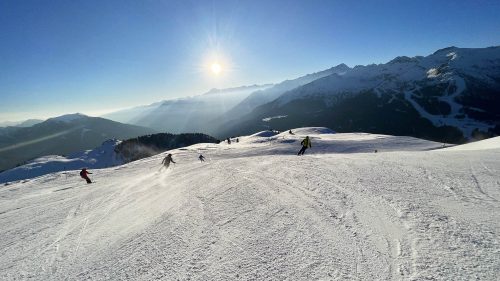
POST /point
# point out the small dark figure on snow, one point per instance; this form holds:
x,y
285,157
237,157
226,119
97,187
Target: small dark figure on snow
x,y
237,140
166,161
228,141
305,144
291,133
202,158
84,174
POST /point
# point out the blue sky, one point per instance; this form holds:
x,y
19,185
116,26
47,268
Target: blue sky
x,y
61,57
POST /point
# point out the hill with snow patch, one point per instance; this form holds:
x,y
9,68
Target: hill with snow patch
x,y
61,135
101,157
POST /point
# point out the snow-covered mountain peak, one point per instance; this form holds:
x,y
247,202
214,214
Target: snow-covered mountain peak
x,y
341,66
404,59
445,63
453,87
340,69
445,50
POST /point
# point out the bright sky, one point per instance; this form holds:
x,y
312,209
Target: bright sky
x,y
60,57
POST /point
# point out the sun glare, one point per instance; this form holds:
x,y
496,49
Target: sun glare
x,y
216,68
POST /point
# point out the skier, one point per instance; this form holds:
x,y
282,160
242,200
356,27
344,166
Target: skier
x,y
291,133
84,174
228,141
166,161
305,144
202,158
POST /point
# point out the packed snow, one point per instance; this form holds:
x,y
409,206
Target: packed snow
x,y
256,211
492,143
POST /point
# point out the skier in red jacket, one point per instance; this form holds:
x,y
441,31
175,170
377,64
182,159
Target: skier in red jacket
x,y
84,173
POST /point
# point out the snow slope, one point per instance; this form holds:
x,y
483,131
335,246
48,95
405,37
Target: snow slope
x,y
493,143
100,157
255,211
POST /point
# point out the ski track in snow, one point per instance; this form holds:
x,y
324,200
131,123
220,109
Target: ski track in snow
x,y
255,211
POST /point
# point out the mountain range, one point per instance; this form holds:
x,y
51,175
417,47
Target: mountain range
x,y
25,123
60,136
186,115
261,97
452,95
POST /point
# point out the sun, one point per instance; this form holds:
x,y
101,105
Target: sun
x,y
216,68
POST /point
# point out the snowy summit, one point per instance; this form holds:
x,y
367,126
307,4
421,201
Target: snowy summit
x,y
354,207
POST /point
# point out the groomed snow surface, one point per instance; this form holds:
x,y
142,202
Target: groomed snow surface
x,y
256,211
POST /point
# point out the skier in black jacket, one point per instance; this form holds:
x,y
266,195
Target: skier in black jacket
x,y
166,161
